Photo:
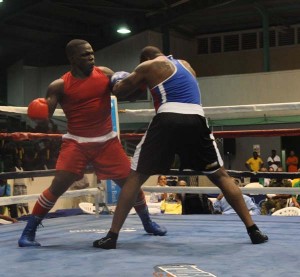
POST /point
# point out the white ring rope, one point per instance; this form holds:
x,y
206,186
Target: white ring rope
x,y
232,111
215,190
209,111
207,190
33,197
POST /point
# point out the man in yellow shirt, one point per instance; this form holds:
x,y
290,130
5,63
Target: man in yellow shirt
x,y
255,163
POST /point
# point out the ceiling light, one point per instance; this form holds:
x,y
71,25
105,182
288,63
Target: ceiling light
x,y
123,30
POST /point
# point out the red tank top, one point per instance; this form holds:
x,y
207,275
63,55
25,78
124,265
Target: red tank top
x,y
86,104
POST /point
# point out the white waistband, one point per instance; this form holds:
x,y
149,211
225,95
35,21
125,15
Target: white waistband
x,y
104,138
183,108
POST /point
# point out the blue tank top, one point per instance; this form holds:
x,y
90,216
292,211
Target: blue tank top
x,y
181,89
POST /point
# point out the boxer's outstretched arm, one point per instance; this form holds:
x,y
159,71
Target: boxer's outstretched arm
x,y
54,95
133,82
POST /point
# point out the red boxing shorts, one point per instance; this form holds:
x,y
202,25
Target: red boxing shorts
x,y
108,159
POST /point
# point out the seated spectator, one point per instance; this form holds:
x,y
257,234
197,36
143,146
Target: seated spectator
x,y
221,206
264,181
156,197
171,205
181,183
296,198
276,202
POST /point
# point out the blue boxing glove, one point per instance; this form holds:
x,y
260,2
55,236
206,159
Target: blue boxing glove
x,y
117,77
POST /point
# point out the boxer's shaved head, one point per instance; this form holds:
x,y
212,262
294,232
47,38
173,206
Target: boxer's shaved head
x,y
150,53
72,45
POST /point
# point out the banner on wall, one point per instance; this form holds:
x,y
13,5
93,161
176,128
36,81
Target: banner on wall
x,y
112,192
256,148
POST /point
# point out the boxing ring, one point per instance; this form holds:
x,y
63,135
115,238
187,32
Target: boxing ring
x,y
216,244
195,245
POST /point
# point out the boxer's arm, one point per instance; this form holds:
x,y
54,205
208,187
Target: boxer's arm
x,y
54,95
135,81
41,109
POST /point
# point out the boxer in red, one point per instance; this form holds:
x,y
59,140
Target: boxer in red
x,y
84,95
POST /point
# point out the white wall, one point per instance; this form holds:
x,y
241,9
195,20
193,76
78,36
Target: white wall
x,y
255,88
124,55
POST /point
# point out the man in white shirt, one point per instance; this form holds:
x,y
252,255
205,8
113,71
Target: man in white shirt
x,y
222,206
274,160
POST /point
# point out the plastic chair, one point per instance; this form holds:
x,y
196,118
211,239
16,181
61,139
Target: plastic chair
x,y
89,208
254,185
287,211
86,207
258,198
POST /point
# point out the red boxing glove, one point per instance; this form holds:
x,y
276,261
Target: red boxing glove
x,y
38,109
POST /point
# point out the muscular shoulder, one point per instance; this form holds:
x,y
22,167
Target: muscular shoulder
x,y
57,86
188,66
107,71
159,65
56,89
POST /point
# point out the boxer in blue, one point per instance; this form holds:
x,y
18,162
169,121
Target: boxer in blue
x,y
179,127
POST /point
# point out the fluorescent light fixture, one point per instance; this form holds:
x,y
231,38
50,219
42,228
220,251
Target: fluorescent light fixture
x,y
123,30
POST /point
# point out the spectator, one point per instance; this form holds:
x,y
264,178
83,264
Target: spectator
x,y
296,198
292,162
254,164
274,160
171,205
156,197
276,202
181,196
222,206
264,181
